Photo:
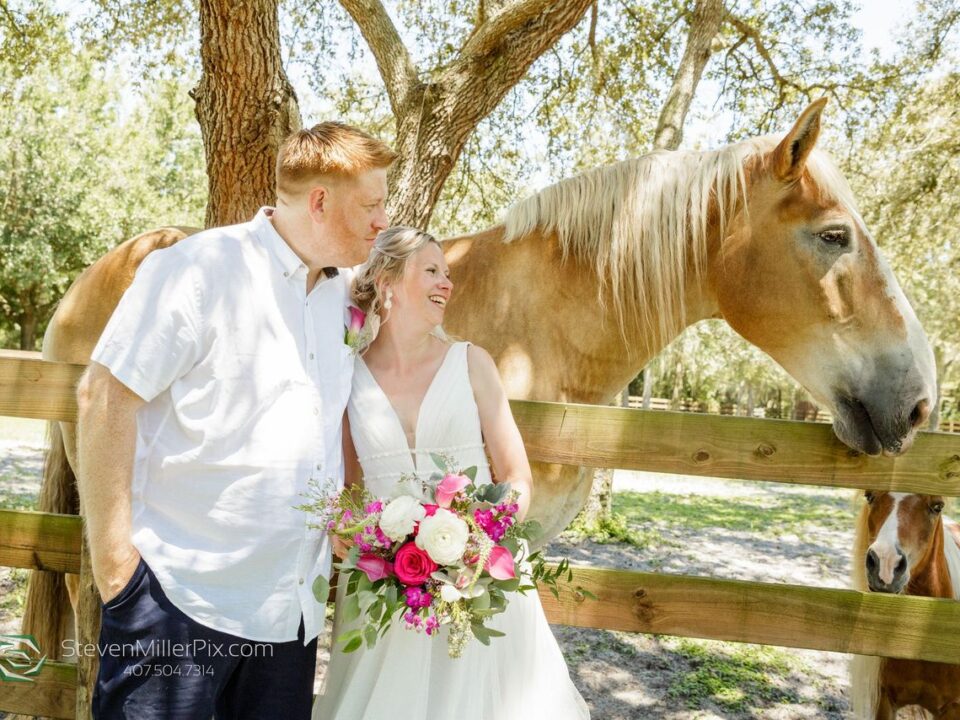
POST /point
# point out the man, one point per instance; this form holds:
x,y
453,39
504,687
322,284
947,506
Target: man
x,y
215,394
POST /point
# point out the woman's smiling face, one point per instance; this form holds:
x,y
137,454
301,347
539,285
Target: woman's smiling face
x,y
425,287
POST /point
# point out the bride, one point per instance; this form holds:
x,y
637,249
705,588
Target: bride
x,y
415,393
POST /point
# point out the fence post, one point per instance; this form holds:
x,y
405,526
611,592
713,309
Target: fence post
x,y
88,632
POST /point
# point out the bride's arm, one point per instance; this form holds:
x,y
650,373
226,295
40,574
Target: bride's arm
x,y
352,474
499,429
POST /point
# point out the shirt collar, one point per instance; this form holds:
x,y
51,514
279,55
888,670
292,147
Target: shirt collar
x,y
289,262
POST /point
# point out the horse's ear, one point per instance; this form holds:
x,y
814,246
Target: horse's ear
x,y
791,154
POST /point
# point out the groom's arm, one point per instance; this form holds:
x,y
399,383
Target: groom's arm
x,y
107,434
500,432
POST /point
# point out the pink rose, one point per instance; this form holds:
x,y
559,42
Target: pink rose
x,y
500,564
375,567
449,487
412,565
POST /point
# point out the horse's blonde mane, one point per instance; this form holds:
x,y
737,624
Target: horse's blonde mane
x,y
642,223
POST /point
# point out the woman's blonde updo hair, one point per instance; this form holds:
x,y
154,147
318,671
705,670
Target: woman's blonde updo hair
x,y
386,264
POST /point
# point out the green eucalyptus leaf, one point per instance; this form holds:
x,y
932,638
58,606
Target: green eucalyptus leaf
x,y
321,589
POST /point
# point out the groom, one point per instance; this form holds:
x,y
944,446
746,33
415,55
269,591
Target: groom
x,y
215,394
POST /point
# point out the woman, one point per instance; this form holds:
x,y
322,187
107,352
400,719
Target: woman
x,y
415,393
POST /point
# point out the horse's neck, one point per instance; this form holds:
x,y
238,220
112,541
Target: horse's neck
x,y
931,576
542,321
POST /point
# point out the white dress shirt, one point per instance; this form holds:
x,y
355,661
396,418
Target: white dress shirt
x,y
246,377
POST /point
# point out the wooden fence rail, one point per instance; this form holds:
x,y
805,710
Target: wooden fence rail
x,y
692,444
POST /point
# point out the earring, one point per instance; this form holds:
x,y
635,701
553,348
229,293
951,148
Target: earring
x,y
388,303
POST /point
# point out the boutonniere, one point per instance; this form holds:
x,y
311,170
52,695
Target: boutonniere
x,y
358,331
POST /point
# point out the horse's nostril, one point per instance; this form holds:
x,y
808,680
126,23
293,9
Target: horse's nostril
x,y
920,413
901,567
872,561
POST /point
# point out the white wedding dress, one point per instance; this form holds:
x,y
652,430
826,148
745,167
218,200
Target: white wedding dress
x,y
407,674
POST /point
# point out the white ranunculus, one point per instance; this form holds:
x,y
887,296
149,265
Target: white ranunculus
x,y
399,517
443,536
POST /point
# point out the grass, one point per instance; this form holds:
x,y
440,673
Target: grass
x,y
13,593
612,529
734,677
639,517
761,514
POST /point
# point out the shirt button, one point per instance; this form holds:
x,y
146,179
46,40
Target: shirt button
x,y
319,466
286,274
316,411
301,581
311,356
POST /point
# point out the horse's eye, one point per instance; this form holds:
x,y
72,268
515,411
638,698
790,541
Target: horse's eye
x,y
936,508
870,496
837,237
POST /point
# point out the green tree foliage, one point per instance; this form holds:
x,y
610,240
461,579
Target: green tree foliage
x,y
80,170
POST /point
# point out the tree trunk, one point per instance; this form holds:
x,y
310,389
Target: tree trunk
x,y
647,387
429,142
435,119
244,103
28,329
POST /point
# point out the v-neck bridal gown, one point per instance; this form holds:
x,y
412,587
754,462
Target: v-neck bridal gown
x,y
408,675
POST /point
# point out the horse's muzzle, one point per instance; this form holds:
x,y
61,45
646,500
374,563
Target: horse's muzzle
x,y
881,420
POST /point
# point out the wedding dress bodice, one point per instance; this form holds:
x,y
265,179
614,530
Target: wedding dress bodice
x,y
448,423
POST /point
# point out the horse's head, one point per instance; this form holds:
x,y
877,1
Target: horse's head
x,y
799,275
902,530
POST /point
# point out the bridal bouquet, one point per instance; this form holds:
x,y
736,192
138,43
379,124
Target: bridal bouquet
x,y
444,551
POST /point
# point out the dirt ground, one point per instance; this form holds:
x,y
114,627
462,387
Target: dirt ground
x,y
765,532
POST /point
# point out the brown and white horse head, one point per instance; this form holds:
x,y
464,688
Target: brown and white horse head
x,y
905,534
820,298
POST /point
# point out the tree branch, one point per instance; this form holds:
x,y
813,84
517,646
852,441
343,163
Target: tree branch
x,y
393,60
12,20
704,26
491,34
751,32
500,52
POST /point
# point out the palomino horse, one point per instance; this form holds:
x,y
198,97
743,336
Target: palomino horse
x,y
904,544
591,277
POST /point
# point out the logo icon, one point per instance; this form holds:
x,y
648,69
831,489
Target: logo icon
x,y
20,658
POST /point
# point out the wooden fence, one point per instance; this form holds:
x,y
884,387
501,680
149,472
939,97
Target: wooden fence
x,y
687,443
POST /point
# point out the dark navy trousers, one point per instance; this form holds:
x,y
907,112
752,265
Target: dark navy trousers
x,y
158,664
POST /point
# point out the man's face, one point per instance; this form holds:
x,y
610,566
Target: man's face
x,y
355,213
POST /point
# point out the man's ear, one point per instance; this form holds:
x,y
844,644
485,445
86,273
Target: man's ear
x,y
317,201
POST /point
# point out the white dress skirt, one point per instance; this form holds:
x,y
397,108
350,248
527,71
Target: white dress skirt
x,y
407,674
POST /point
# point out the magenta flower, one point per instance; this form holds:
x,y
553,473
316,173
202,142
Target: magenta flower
x,y
432,625
417,597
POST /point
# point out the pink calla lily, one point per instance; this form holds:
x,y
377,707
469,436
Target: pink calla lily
x,y
376,568
500,564
357,319
449,487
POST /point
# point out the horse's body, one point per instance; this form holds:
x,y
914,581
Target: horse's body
x,y
589,279
905,545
